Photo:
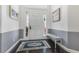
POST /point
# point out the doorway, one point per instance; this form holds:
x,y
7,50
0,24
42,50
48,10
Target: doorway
x,y
36,22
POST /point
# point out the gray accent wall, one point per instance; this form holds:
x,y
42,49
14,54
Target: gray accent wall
x,y
0,42
21,33
59,33
7,39
70,39
73,40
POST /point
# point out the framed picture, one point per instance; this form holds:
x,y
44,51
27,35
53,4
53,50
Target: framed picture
x,y
56,15
13,11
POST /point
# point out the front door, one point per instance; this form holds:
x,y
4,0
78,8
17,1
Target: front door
x,y
36,23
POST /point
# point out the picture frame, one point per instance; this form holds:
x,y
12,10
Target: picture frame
x,y
56,15
13,11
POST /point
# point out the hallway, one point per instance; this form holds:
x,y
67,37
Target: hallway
x,y
46,28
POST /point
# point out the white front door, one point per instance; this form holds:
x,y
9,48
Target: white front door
x,y
36,23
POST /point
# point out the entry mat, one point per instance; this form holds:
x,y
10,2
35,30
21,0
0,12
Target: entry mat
x,y
33,45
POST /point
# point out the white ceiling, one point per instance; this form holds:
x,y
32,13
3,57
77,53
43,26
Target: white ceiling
x,y
36,6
